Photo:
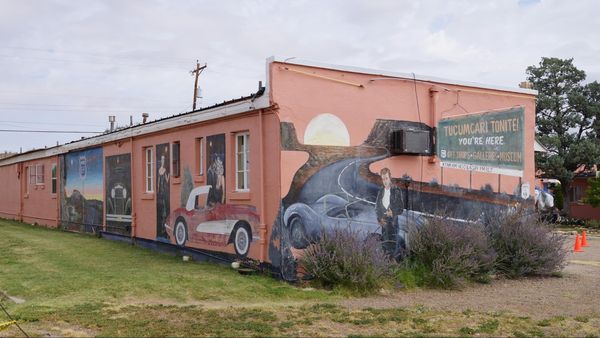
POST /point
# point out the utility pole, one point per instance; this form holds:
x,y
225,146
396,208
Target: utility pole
x,y
196,72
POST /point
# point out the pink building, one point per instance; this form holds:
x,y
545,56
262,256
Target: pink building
x,y
262,176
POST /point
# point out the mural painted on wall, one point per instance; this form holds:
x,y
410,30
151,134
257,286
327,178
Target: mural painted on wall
x,y
163,190
336,189
490,142
118,194
216,168
205,221
81,190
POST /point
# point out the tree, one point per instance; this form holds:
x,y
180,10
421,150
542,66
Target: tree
x,y
593,192
567,119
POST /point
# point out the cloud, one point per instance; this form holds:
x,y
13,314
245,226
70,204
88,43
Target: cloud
x,y
78,62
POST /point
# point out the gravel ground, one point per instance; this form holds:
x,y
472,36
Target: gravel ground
x,y
577,293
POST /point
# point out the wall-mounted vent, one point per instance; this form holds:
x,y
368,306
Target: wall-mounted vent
x,y
411,142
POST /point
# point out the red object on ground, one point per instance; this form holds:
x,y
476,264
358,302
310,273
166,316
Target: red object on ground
x,y
583,239
577,244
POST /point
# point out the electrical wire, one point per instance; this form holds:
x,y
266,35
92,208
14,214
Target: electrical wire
x,y
17,123
50,131
10,317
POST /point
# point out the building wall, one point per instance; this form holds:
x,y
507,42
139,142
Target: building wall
x,y
10,195
579,209
335,136
151,208
40,204
103,188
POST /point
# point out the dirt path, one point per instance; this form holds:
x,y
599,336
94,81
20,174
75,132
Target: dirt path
x,y
576,293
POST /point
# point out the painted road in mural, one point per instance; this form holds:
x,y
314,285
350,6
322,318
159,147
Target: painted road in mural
x,y
339,197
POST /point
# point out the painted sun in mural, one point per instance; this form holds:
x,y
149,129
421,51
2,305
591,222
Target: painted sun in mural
x,y
327,130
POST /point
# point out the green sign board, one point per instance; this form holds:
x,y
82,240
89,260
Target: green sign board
x,y
490,142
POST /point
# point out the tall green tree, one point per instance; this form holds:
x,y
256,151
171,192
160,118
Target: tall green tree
x,y
567,119
593,192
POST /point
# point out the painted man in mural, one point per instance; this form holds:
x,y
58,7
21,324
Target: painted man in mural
x,y
162,194
388,207
216,178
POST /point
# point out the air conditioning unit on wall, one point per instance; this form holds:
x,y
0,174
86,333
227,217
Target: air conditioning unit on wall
x,y
411,142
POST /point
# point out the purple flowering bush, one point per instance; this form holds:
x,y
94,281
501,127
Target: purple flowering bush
x,y
447,254
342,258
525,246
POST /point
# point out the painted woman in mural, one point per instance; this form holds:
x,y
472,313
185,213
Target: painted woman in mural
x,y
162,190
388,207
216,169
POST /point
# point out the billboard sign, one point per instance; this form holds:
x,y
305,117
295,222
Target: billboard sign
x,y
490,142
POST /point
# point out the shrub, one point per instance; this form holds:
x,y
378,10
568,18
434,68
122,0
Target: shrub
x,y
342,258
592,224
525,246
443,253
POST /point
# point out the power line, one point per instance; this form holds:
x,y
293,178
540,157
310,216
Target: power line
x,y
70,105
89,62
89,110
113,56
50,131
62,124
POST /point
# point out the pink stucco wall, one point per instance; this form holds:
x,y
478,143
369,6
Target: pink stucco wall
x,y
29,201
306,92
144,204
10,191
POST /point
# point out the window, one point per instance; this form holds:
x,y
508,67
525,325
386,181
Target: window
x,y
28,173
39,174
149,170
576,193
54,178
175,153
242,161
32,176
200,155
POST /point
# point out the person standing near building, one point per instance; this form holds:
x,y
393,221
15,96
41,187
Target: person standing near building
x,y
388,207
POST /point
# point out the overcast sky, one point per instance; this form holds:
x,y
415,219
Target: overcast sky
x,y
66,65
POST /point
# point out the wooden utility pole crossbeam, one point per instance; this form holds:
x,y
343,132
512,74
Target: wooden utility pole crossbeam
x,y
196,72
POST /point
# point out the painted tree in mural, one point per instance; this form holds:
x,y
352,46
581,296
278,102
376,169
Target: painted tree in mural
x,y
567,119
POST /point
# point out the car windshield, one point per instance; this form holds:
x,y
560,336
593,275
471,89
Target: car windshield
x,y
201,201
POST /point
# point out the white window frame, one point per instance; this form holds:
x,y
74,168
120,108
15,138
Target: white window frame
x,y
176,158
28,173
243,167
53,183
149,169
200,154
39,174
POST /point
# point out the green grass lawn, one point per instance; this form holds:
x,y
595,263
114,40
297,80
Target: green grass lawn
x,y
78,285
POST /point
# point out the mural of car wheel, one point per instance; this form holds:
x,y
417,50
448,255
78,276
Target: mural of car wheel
x,y
241,240
181,234
298,233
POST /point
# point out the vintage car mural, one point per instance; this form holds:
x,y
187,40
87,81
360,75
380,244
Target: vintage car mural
x,y
215,224
306,222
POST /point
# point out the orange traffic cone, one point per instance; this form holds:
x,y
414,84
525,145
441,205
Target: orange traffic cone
x,y
577,244
583,239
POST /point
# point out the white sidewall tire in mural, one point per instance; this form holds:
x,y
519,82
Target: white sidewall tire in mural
x,y
241,240
298,233
180,232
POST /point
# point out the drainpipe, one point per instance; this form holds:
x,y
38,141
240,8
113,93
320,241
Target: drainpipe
x,y
133,191
263,226
58,196
21,191
433,95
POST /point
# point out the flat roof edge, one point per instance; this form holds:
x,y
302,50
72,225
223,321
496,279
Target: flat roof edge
x,y
235,108
353,69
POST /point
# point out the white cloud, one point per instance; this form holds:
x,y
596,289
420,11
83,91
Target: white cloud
x,y
77,62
